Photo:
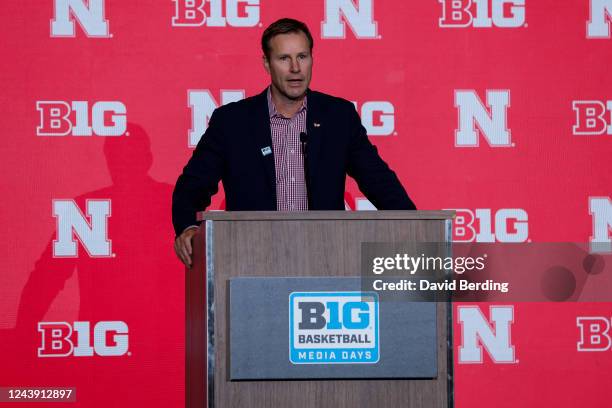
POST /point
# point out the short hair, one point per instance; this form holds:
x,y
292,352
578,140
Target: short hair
x,y
284,26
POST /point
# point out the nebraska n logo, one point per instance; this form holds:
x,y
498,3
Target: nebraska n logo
x,y
91,230
476,333
492,120
598,25
360,18
88,13
203,104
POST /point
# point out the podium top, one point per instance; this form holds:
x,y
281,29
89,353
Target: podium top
x,y
323,215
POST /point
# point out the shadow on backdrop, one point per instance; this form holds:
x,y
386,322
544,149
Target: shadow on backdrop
x,y
141,284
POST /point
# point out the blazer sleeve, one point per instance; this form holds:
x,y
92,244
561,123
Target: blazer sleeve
x,y
200,178
373,176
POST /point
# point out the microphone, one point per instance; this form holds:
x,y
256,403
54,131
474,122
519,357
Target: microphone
x,y
304,141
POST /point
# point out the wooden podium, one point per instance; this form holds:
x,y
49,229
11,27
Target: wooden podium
x,y
243,244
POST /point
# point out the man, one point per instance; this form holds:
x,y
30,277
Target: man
x,y
257,147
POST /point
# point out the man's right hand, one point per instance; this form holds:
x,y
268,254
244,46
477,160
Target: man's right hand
x,y
183,245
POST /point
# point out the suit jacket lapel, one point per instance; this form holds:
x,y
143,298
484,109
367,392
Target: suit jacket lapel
x,y
315,127
260,121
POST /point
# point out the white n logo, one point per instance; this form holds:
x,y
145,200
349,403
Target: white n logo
x,y
477,332
93,234
90,17
360,19
493,125
202,105
598,25
600,209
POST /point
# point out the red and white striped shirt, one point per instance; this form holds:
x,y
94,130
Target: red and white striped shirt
x,y
288,159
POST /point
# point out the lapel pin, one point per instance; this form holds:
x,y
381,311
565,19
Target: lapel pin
x,y
266,151
316,124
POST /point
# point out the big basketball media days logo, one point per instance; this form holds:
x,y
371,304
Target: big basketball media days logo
x,y
592,118
594,333
77,118
378,117
91,228
333,327
88,13
482,13
62,339
475,119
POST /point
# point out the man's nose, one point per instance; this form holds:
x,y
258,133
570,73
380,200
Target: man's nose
x,y
295,65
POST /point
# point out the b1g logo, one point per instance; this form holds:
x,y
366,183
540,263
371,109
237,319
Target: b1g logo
x,y
238,13
91,230
203,104
600,18
482,13
333,327
358,14
88,13
490,121
494,336
592,118
594,333
60,339
378,117
60,118
600,209
480,225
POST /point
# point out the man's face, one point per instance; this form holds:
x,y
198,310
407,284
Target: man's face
x,y
290,64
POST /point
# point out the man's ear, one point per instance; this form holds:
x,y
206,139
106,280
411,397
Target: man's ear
x,y
266,63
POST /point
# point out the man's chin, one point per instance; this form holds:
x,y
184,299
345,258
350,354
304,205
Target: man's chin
x,y
296,94
291,93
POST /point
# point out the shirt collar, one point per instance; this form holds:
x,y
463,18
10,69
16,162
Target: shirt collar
x,y
272,108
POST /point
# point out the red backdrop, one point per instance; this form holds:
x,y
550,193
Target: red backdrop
x,y
498,108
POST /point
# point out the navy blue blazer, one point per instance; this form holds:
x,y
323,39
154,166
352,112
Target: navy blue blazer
x,y
231,151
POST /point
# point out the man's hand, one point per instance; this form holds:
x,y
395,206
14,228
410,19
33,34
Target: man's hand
x,y
183,245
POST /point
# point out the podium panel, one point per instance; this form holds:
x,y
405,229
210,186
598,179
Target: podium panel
x,y
326,328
